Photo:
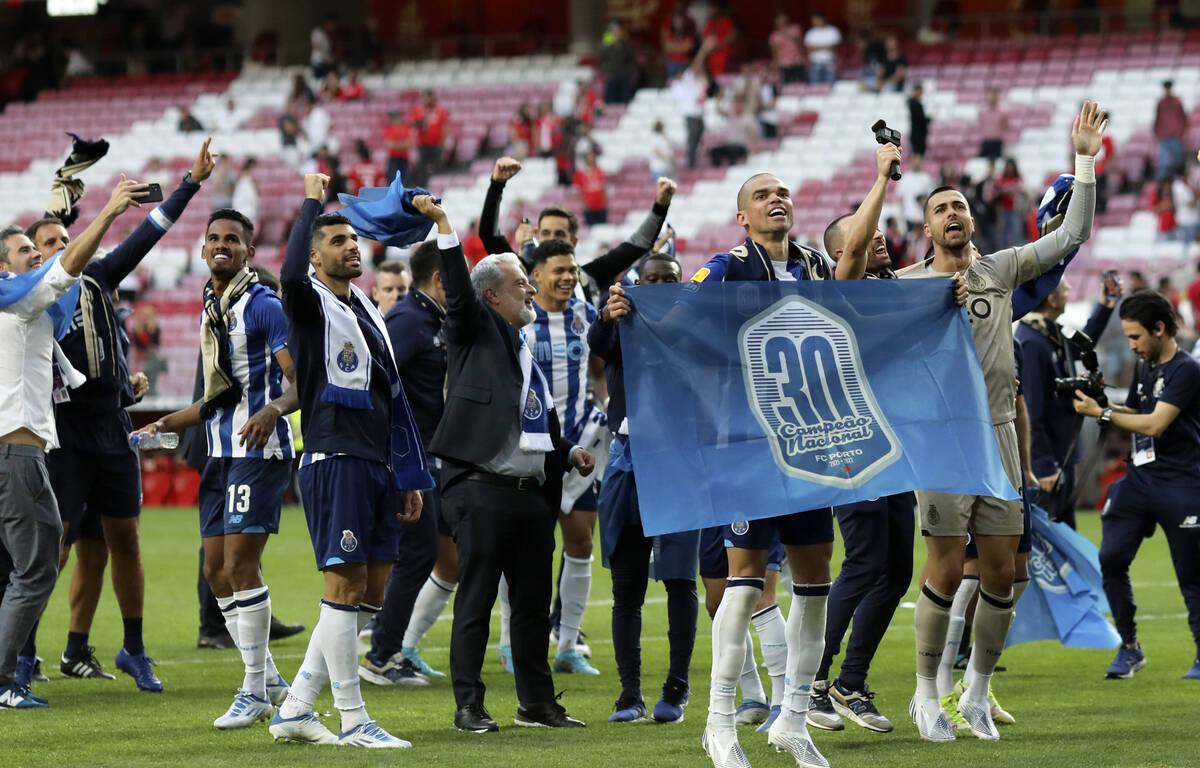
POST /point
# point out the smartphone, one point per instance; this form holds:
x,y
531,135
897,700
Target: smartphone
x,y
153,194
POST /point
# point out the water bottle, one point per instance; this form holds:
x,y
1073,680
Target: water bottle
x,y
153,442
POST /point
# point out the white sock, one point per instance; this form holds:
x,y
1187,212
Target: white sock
x,y
337,629
772,638
431,602
229,613
505,615
729,645
254,631
309,680
366,612
958,620
806,646
573,589
752,689
969,673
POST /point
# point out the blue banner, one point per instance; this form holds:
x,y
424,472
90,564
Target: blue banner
x,y
757,399
1065,597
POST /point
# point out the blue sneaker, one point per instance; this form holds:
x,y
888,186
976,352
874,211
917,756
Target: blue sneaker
x,y
414,655
573,663
246,710
19,697
669,709
505,656
751,712
1194,672
1128,661
139,668
771,718
628,710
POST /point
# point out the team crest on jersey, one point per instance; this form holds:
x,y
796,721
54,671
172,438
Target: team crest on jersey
x,y
740,528
231,320
533,406
347,359
806,387
349,543
1159,385
579,323
975,283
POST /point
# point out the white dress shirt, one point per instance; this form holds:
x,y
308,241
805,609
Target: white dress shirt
x,y
26,351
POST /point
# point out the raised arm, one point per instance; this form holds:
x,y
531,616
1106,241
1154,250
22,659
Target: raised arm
x,y
489,218
299,301
80,251
462,305
605,269
860,228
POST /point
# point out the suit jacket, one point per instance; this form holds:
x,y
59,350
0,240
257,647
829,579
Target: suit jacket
x,y
483,393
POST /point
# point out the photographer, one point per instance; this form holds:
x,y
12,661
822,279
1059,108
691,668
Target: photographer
x,y
1163,480
1048,355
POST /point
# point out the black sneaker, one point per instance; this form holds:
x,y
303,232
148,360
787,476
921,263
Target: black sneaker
x,y
221,641
553,716
279,630
473,718
85,666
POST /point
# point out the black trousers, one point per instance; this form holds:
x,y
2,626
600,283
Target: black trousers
x,y
876,572
416,554
501,531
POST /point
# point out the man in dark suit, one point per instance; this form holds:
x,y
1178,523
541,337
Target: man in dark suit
x,y
503,460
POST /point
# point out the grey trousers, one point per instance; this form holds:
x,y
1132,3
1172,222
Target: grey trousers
x,y
30,530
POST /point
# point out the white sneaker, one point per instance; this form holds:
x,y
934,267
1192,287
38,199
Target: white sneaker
x,y
979,717
369,734
306,729
246,710
277,690
931,721
790,735
721,744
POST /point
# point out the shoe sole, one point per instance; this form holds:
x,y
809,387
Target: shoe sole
x,y
662,721
849,714
1126,675
529,723
477,730
840,726
293,739
641,719
799,762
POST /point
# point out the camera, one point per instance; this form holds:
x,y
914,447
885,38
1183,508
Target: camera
x,y
885,135
1092,382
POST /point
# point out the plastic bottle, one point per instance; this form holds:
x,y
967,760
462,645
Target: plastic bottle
x,y
146,442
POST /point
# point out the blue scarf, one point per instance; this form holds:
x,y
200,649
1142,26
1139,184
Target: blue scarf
x,y
13,288
386,214
535,405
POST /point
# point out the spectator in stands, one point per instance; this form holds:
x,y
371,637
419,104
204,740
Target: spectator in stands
x,y
429,120
592,184
321,40
520,133
662,152
766,92
584,143
690,91
222,183
300,90
547,130
894,68
473,246
229,117
993,124
982,197
291,134
679,43
918,122
1170,124
392,282
897,244
948,175
1103,161
1193,297
318,126
1012,201
821,40
155,172
1187,215
873,52
787,49
720,33
398,139
145,336
738,137
352,89
188,122
1136,281
245,191
618,65
588,104
330,86
912,189
564,151
1164,210
365,172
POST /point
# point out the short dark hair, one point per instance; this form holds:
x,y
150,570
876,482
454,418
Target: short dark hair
x,y
424,261
32,229
938,191
393,266
328,220
7,232
266,277
548,249
834,237
566,213
230,214
1150,308
659,256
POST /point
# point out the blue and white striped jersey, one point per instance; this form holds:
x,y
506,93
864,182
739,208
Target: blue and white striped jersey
x,y
257,330
560,348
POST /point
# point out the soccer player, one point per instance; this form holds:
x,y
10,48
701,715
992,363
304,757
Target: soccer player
x,y
626,550
765,211
363,462
95,473
245,357
1162,482
996,524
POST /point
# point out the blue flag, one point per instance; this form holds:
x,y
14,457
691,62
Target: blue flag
x,y
1065,597
387,214
757,399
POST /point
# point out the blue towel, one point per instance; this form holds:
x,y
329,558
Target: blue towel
x,y
13,288
386,214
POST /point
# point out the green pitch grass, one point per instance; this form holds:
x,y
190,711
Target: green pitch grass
x,y
1067,713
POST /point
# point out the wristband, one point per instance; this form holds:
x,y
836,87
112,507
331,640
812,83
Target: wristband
x,y
1085,168
187,179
